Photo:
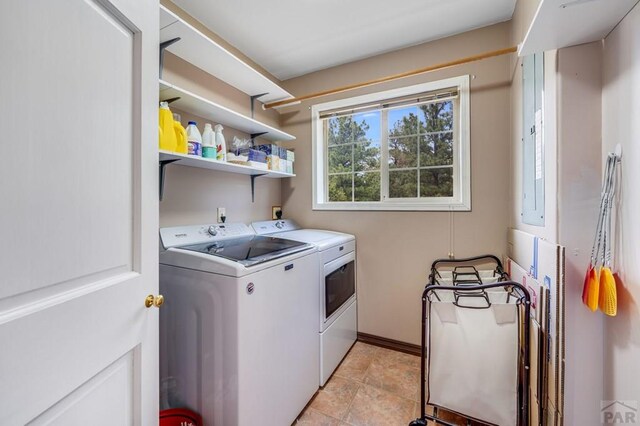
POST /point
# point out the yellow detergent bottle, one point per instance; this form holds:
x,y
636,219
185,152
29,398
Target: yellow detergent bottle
x,y
168,140
181,135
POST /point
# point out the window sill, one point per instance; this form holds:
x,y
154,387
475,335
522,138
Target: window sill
x,y
398,206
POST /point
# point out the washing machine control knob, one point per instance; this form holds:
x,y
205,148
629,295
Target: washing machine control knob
x,y
213,230
279,225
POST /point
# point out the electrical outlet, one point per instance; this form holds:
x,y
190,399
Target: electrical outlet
x,y
221,212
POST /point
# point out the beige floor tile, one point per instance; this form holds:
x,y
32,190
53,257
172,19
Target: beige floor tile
x,y
335,398
399,379
416,411
376,407
310,417
364,349
355,364
389,358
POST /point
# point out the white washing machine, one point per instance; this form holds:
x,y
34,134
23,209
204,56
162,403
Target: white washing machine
x,y
338,319
238,330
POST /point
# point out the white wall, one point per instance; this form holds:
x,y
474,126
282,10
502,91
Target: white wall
x,y
621,124
571,135
579,83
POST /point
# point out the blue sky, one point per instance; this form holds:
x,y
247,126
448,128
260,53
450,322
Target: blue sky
x,y
373,120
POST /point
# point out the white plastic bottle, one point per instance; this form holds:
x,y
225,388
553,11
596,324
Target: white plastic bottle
x,y
194,139
221,145
209,148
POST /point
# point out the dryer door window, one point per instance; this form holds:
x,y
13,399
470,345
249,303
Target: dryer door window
x,y
339,286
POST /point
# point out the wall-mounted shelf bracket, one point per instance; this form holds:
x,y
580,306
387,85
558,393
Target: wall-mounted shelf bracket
x,y
163,164
163,46
256,135
253,186
253,99
177,98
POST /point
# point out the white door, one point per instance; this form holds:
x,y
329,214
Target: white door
x,y
78,212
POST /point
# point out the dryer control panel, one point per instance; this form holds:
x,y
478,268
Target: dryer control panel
x,y
195,234
272,226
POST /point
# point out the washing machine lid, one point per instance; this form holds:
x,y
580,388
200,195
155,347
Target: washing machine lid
x,y
250,251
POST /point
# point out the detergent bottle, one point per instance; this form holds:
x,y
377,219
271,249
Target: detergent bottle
x,y
208,142
221,146
194,139
181,135
168,139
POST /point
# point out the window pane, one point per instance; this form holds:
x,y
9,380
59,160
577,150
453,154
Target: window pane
x,y
340,187
403,152
367,126
436,182
403,184
436,117
403,121
340,130
340,158
367,186
436,149
366,156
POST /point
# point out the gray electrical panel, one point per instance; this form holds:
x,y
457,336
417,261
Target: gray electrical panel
x,y
532,140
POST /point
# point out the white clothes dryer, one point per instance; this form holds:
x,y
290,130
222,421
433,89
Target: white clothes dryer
x,y
338,319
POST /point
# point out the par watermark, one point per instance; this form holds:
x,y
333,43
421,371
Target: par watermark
x,y
619,413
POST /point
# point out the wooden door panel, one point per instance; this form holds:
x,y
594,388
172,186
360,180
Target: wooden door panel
x,y
73,204
79,210
104,400
50,353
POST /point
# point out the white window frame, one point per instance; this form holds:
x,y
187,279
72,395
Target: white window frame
x,y
461,201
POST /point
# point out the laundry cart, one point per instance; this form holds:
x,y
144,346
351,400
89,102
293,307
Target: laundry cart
x,y
475,344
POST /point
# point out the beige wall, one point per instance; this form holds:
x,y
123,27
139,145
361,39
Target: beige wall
x,y
395,249
522,16
192,195
621,124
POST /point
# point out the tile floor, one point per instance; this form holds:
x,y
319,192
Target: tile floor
x,y
372,386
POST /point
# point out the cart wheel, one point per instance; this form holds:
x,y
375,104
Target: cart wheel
x,y
418,422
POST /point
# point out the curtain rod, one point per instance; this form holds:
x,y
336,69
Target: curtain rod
x,y
392,77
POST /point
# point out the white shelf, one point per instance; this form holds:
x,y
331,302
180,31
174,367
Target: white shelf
x,y
195,104
199,50
564,23
206,163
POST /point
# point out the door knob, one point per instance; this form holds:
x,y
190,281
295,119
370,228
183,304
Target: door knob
x,y
152,300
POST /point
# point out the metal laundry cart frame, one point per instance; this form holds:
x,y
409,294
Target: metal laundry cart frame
x,y
510,286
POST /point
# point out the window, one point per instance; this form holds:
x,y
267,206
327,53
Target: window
x,y
403,149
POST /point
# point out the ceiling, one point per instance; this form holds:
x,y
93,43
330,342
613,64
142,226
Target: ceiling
x,y
294,37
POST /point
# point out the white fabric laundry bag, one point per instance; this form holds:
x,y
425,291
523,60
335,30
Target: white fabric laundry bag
x,y
472,356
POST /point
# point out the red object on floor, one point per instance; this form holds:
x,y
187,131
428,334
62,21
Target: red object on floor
x,y
180,417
